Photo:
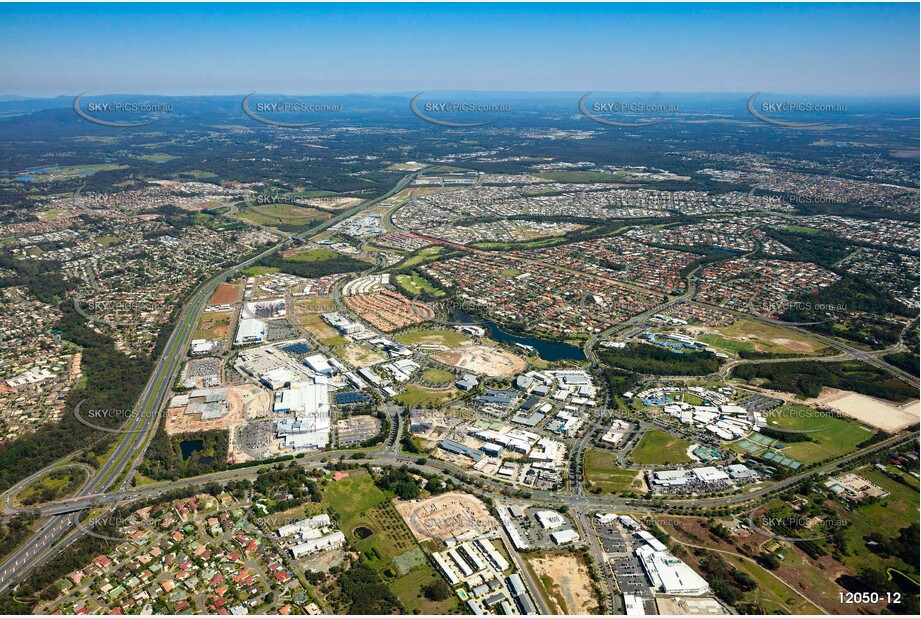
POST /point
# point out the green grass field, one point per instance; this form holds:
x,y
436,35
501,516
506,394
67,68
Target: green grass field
x,y
281,214
749,336
407,588
361,506
253,271
894,512
416,395
55,485
313,255
803,230
447,338
157,158
601,470
422,255
414,284
830,437
108,241
660,448
437,376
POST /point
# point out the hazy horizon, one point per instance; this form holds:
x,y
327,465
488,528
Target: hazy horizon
x,y
207,49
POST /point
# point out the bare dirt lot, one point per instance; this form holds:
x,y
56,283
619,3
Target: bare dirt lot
x,y
450,515
485,360
570,580
358,356
225,294
883,415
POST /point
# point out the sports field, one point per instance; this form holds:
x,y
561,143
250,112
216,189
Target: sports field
x,y
414,284
437,376
660,448
828,436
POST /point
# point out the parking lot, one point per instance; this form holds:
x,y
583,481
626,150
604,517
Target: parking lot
x,y
357,429
626,567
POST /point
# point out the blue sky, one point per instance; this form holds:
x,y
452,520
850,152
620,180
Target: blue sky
x,y
64,49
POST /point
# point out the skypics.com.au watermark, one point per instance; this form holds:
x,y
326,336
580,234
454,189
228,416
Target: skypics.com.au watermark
x,y
453,110
272,199
110,522
618,113
450,312
261,111
818,528
143,108
833,311
782,113
797,199
100,310
88,416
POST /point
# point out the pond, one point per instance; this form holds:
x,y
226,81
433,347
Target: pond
x,y
189,447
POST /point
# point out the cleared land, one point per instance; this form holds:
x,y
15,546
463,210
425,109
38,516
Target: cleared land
x,y
281,214
453,515
567,579
358,356
311,255
446,338
749,336
424,396
877,413
307,312
214,325
660,448
485,360
602,471
225,294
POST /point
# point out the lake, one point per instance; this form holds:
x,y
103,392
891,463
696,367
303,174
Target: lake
x,y
548,350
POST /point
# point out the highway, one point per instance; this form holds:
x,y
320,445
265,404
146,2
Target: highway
x,y
109,485
137,432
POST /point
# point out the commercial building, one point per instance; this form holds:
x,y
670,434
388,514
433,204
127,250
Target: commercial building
x,y
333,540
667,574
549,520
250,330
565,536
299,527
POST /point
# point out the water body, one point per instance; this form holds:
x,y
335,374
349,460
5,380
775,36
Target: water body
x,y
190,446
548,350
902,580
